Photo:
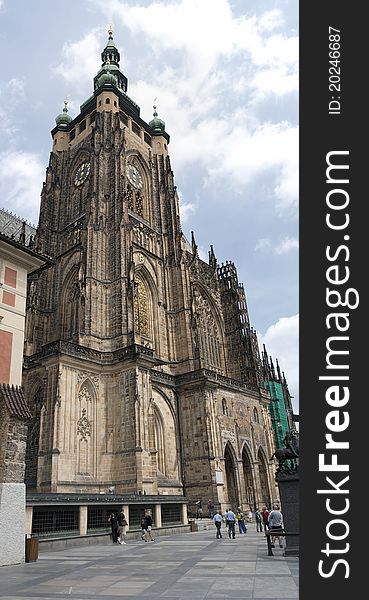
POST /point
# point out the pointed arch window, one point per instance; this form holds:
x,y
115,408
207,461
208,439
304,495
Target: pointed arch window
x,y
209,333
159,441
135,188
141,308
70,306
135,201
263,477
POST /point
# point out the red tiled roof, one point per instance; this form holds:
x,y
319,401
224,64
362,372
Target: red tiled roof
x,y
14,400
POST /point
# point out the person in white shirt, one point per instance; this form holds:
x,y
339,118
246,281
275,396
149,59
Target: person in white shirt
x,y
231,520
217,520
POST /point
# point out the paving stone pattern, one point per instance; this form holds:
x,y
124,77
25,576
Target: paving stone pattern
x,y
191,566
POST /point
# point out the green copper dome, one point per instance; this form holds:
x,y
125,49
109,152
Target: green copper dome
x,y
107,77
157,124
63,119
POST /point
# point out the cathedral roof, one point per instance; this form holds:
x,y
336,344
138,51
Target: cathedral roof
x,y
14,400
16,228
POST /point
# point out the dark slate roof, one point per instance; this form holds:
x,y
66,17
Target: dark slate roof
x,y
16,228
14,400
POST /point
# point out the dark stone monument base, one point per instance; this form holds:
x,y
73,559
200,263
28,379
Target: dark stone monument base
x,y
288,484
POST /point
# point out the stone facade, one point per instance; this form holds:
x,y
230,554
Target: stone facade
x,y
13,436
142,368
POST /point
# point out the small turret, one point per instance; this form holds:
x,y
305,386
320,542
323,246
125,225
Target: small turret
x,y
157,124
62,121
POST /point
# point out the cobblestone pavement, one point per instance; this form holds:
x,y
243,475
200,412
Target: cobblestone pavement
x,y
190,566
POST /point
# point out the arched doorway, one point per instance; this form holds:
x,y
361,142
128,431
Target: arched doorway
x,y
231,478
263,477
249,482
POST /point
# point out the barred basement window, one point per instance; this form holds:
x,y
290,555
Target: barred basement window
x,y
136,129
171,513
137,512
48,521
97,516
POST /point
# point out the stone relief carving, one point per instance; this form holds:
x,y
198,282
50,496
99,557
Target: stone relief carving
x,y
82,375
84,426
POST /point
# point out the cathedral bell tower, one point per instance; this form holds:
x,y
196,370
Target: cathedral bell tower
x,y
98,321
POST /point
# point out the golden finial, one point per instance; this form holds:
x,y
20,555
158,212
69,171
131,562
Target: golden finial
x,y
110,30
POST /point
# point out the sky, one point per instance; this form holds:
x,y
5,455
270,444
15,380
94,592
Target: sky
x,y
225,77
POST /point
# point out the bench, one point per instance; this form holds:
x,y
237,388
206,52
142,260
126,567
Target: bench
x,y
276,533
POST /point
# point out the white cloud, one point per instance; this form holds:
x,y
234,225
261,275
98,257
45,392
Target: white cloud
x,y
278,81
15,86
262,245
185,209
80,60
21,177
282,342
286,245
10,93
180,27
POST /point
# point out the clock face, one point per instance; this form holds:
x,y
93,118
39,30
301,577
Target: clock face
x,y
134,177
82,173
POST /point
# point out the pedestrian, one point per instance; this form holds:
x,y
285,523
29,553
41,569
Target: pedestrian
x,y
217,520
226,517
231,520
143,529
114,527
241,521
199,509
148,526
258,519
275,523
265,516
249,516
210,509
122,524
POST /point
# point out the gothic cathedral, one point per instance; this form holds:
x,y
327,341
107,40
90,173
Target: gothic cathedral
x,y
141,367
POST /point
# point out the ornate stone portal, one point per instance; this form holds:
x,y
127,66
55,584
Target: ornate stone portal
x,y
142,369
